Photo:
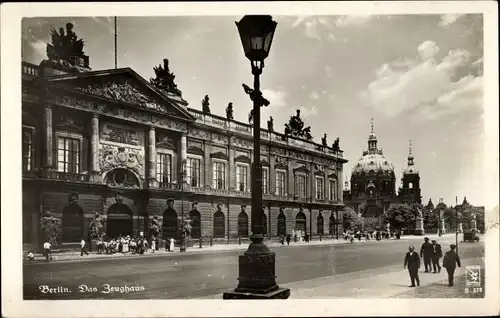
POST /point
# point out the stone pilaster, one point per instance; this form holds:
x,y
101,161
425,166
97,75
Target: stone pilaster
x,y
152,181
326,185
290,189
183,156
49,139
208,165
340,193
272,175
232,168
94,146
312,182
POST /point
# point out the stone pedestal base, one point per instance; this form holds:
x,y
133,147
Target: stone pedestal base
x,y
419,227
257,279
419,232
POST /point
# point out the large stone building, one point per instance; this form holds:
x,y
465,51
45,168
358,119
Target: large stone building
x,y
373,184
113,143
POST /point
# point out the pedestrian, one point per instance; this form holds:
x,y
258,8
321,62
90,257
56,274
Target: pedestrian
x,y
436,256
172,244
412,261
426,252
30,256
82,248
351,237
288,239
46,250
134,246
167,244
450,261
153,244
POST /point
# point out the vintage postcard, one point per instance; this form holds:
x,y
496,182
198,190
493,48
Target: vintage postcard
x,y
334,159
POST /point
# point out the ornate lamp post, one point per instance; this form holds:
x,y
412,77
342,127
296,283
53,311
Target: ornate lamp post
x,y
183,230
440,211
257,278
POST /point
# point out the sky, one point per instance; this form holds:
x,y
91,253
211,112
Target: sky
x,y
419,76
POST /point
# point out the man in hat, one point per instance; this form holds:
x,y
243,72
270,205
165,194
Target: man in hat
x,y
450,261
413,262
426,252
438,253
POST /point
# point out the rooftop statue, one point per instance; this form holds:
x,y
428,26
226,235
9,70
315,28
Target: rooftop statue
x,y
323,141
205,104
67,47
295,128
270,124
336,145
229,111
164,79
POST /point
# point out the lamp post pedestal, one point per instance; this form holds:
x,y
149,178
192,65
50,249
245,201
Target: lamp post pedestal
x,y
257,278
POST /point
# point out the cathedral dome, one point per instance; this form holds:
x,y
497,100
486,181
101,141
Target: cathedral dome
x,y
373,160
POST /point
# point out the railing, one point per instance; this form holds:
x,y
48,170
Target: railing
x,y
67,176
246,129
29,69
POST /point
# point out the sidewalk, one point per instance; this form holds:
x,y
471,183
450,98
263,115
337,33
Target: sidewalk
x,y
75,255
386,282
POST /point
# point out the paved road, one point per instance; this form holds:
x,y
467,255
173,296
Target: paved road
x,y
182,276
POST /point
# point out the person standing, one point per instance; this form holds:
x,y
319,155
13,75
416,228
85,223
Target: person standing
x,y
288,239
450,261
412,261
426,252
46,250
172,244
436,256
153,244
82,248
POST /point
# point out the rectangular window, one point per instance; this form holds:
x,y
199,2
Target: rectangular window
x,y
319,188
219,173
241,178
194,172
301,184
27,149
164,168
68,155
280,182
332,190
265,178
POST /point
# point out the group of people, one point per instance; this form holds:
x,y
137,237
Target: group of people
x,y
375,235
431,254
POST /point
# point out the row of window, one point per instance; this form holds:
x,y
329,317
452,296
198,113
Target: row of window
x,y
69,152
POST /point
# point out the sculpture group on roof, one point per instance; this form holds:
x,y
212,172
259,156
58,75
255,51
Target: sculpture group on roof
x,y
67,47
295,128
165,79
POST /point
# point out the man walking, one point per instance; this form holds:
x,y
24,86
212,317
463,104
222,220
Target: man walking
x,y
82,248
436,256
46,250
426,252
450,261
413,262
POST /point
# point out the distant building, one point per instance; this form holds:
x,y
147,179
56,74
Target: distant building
x,y
111,142
373,184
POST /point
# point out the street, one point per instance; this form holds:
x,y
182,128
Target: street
x,y
188,276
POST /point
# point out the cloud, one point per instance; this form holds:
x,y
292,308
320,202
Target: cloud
x,y
427,50
106,22
353,20
276,97
314,95
38,50
425,84
309,111
314,26
448,19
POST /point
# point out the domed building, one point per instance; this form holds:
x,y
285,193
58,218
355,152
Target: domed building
x,y
373,184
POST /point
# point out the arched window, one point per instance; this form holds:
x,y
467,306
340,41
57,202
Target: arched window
x,y
195,216
121,178
243,224
301,222
170,224
219,225
72,223
281,224
319,224
331,226
119,221
410,185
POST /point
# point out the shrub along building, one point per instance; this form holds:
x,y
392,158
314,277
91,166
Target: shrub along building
x,y
373,184
112,143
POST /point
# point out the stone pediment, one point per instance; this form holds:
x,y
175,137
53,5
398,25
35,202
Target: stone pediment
x,y
122,86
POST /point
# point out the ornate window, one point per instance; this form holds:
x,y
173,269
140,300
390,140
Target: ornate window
x,y
319,188
194,172
243,224
301,185
242,177
219,174
164,168
281,224
68,154
27,148
332,190
265,178
320,224
280,182
219,225
122,178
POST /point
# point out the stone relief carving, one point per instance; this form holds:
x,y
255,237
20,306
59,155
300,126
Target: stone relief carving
x,y
280,163
164,141
66,122
117,112
221,139
119,133
243,143
199,133
111,157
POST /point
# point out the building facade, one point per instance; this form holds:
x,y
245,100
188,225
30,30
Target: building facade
x,y
112,143
373,184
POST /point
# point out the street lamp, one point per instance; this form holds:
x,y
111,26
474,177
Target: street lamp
x,y
257,278
439,215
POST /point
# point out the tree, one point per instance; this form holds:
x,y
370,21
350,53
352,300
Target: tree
x,y
400,216
352,221
51,229
430,219
449,217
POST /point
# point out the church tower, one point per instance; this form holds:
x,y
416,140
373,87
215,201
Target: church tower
x,y
410,183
